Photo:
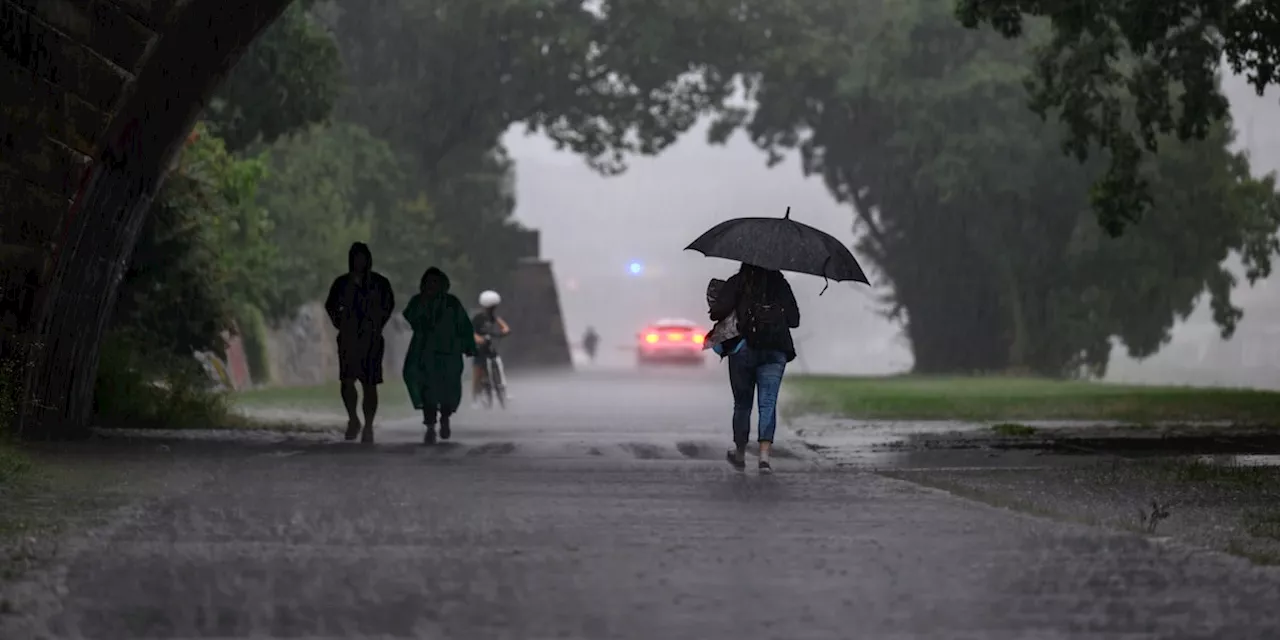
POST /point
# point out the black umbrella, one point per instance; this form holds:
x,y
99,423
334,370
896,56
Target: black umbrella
x,y
782,244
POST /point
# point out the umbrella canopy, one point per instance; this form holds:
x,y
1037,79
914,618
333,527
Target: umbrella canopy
x,y
782,244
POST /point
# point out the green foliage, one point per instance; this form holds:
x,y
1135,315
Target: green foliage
x,y
323,190
201,252
331,186
472,202
289,78
969,210
410,239
253,335
196,274
1125,76
14,464
140,386
445,77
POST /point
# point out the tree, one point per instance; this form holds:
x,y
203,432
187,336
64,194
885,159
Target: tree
x,y
1124,75
604,79
412,239
973,217
288,79
443,80
473,201
334,185
200,255
322,191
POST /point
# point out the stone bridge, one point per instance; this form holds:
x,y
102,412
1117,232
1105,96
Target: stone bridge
x,y
97,96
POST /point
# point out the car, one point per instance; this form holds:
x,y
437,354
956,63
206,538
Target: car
x,y
672,340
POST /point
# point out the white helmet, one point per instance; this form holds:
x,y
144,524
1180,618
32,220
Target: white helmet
x,y
490,299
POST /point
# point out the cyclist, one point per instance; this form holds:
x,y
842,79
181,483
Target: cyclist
x,y
488,325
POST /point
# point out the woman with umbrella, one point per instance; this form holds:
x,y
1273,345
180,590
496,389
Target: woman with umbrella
x,y
767,312
763,308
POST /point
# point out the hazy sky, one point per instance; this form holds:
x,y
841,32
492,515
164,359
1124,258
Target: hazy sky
x,y
594,227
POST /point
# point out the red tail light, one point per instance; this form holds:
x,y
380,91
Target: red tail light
x,y
651,338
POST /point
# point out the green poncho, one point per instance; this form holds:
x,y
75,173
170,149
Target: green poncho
x,y
442,333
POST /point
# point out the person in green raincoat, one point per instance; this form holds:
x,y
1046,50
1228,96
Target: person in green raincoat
x,y
442,335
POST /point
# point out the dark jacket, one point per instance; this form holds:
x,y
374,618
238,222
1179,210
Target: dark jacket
x,y
773,288
358,308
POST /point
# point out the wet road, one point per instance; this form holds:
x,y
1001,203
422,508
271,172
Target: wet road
x,y
597,507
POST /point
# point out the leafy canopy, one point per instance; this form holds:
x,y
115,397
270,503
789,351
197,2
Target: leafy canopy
x,y
288,79
201,253
1125,74
980,227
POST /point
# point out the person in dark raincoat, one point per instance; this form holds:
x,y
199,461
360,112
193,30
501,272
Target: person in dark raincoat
x,y
442,335
360,304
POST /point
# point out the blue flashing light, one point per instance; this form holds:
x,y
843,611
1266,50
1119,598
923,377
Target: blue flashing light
x,y
636,268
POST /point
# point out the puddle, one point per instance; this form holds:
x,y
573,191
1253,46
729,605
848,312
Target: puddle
x,y
942,444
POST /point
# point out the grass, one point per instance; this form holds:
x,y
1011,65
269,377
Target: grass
x,y
1006,398
1264,524
1228,476
393,399
14,465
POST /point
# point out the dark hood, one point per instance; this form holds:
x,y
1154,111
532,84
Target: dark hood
x,y
356,249
435,271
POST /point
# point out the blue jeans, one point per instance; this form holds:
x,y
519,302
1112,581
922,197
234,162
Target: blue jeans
x,y
749,369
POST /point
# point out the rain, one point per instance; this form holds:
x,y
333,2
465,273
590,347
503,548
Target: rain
x,y
420,319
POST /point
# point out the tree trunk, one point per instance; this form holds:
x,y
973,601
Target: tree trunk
x,y
1019,340
191,59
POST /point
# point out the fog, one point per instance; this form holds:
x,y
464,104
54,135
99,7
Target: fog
x,y
594,227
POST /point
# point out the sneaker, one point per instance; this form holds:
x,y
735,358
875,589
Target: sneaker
x,y
445,431
430,437
366,437
735,461
765,467
353,429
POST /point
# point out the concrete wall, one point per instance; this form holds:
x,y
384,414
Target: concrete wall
x,y
531,305
304,351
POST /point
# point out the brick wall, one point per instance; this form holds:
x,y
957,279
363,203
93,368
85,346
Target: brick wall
x,y
65,67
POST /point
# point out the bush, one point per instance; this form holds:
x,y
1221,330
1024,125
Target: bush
x,y
143,388
253,334
13,463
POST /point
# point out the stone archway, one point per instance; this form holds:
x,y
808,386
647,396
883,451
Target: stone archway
x,y
110,90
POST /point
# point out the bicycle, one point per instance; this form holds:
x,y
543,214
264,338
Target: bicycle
x,y
493,377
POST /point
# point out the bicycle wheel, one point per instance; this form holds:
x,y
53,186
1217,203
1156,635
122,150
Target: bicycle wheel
x,y
488,383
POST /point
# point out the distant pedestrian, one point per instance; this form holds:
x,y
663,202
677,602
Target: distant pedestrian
x,y
589,343
442,335
359,304
766,312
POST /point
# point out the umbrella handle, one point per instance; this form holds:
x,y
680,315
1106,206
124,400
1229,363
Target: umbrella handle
x,y
826,283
